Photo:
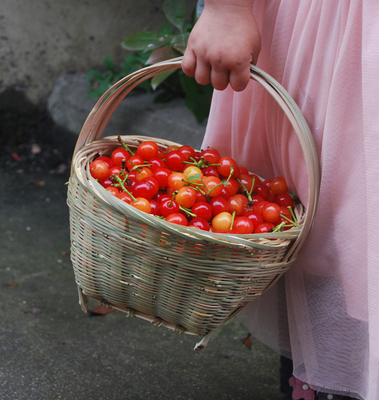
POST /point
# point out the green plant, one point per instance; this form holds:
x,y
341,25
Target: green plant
x,y
149,47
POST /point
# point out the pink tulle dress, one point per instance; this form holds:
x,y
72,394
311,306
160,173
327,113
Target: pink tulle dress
x,y
324,313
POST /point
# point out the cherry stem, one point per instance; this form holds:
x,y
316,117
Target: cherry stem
x,y
135,167
230,175
279,227
172,198
124,145
232,223
293,215
121,183
187,211
290,221
248,193
294,195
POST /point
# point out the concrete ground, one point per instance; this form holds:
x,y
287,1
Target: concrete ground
x,y
50,349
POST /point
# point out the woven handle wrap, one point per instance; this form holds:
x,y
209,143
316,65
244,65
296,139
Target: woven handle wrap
x,y
98,118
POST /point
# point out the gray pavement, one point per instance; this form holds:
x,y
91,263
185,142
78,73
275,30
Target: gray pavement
x,y
50,349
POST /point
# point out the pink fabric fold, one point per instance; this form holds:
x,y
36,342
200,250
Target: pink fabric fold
x,y
325,313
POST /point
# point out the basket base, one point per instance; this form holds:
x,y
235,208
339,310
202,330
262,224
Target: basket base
x,y
156,321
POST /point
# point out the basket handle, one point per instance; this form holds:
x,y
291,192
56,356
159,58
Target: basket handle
x,y
99,116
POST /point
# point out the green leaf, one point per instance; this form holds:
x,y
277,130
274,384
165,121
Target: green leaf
x,y
175,11
162,54
197,97
158,79
144,41
179,42
108,63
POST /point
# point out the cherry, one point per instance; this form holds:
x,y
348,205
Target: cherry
x,y
169,206
143,189
243,225
113,190
174,160
284,199
279,185
219,204
133,162
200,223
142,204
213,186
263,191
222,222
161,175
203,210
147,150
255,217
99,170
176,180
120,154
156,163
144,172
155,207
211,155
228,167
187,152
177,218
211,171
107,161
125,197
265,227
270,212
237,204
232,185
186,197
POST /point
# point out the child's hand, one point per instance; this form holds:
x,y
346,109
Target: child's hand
x,y
222,44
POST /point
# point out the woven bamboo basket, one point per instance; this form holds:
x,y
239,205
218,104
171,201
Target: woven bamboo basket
x,y
185,279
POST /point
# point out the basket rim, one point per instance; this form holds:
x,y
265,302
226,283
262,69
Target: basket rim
x,y
265,241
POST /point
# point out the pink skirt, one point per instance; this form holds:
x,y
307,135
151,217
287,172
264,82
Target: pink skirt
x,y
324,313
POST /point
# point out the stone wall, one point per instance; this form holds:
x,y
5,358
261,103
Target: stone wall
x,y
41,40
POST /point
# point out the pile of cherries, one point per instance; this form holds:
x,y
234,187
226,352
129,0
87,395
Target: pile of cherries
x,y
193,188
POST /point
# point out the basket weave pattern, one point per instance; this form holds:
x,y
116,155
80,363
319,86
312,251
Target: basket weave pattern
x,y
188,280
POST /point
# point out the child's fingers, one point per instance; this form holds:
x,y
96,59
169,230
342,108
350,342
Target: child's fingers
x,y
239,79
189,63
219,78
203,72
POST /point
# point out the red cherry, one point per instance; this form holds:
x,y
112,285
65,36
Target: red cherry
x,y
161,175
125,197
174,160
270,212
211,155
107,161
264,228
177,218
200,223
202,210
99,170
279,185
155,207
255,217
143,189
187,152
226,166
169,207
156,163
133,162
243,225
120,154
219,204
147,150
284,199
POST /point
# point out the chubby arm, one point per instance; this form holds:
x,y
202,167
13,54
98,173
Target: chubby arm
x,y
222,44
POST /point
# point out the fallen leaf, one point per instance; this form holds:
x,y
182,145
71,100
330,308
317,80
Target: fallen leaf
x,y
13,284
247,341
101,310
39,183
33,311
